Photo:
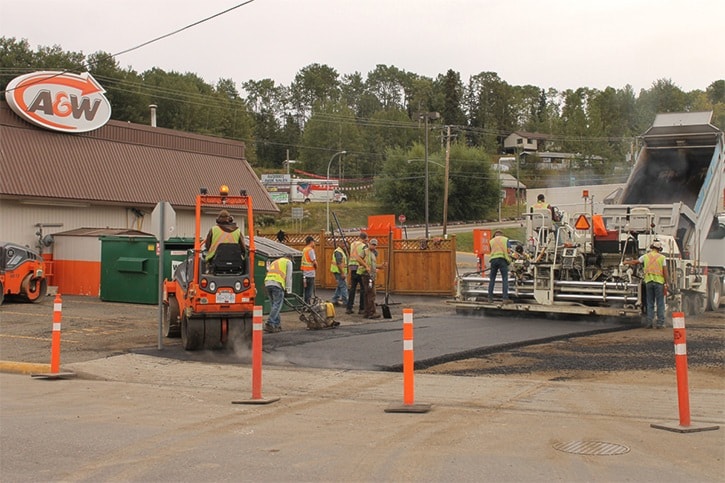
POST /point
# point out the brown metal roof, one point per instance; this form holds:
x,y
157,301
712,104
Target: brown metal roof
x,y
121,163
90,232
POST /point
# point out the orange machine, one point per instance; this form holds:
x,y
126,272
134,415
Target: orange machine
x,y
211,307
22,274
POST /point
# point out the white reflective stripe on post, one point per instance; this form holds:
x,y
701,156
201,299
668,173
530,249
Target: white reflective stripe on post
x,y
257,311
680,349
407,317
56,326
257,326
407,345
678,322
57,307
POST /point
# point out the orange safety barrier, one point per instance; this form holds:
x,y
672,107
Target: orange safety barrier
x,y
55,342
683,394
257,326
55,345
409,405
408,358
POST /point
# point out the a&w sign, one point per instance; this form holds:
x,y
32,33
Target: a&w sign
x,y
60,101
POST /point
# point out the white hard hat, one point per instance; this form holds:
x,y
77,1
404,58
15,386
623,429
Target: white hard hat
x,y
657,245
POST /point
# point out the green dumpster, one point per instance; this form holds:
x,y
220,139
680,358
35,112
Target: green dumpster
x,y
130,267
267,251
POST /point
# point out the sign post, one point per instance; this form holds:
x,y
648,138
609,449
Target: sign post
x,y
163,221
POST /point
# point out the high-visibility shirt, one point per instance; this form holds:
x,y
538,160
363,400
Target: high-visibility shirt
x,y
356,250
499,248
307,264
343,261
654,267
541,205
370,260
219,236
278,272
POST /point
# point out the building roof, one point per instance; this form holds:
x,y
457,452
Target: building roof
x,y
510,181
121,163
530,135
91,232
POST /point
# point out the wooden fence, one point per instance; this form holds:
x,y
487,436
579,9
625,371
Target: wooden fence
x,y
417,266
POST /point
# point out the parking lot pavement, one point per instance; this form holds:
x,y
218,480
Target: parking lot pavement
x,y
140,418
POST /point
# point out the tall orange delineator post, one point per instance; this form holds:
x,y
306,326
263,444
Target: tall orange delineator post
x,y
257,362
683,393
409,405
55,344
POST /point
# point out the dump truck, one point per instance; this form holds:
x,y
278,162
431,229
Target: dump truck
x,y
211,305
674,195
22,274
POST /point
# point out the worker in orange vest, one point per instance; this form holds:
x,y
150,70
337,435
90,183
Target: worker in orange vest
x,y
308,266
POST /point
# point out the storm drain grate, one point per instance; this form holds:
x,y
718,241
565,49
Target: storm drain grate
x,y
596,448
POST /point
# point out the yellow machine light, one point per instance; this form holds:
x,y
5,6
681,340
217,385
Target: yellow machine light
x,y
224,190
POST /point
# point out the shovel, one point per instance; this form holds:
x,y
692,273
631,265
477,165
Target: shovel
x,y
385,308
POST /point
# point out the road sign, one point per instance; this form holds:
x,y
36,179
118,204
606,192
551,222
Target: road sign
x,y
298,213
401,219
163,214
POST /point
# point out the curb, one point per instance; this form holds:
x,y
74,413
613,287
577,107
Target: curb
x,y
23,367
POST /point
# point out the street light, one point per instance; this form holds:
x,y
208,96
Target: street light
x,y
327,188
427,116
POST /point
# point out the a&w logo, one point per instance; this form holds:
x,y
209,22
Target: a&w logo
x,y
60,101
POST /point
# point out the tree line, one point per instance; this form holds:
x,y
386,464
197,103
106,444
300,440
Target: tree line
x,y
376,118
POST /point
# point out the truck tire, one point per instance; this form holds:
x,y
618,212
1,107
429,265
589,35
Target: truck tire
x,y
699,303
172,327
2,293
714,292
192,333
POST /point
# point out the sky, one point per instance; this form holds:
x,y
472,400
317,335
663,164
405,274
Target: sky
x,y
561,44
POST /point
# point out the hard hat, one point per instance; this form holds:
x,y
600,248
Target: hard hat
x,y
657,245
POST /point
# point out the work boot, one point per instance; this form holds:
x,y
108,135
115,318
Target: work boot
x,y
348,311
374,316
361,312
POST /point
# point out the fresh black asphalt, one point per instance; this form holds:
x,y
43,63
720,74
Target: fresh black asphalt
x,y
379,346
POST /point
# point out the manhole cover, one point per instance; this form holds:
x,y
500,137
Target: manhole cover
x,y
597,448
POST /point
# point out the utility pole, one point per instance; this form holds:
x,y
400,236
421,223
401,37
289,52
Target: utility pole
x,y
445,185
427,116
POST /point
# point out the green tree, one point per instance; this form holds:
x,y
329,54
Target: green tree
x,y
313,84
451,91
330,129
472,190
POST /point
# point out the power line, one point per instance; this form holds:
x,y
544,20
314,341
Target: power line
x,y
181,29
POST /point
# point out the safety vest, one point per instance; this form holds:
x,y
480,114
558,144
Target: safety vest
x,y
219,236
541,205
654,267
277,272
333,266
356,248
369,258
499,248
307,264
